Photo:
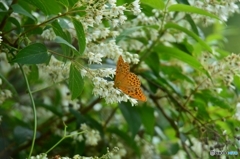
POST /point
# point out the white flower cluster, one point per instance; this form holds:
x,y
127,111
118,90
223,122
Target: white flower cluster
x,y
221,70
237,114
118,151
92,136
49,34
95,53
170,35
109,155
97,11
5,66
0,38
98,47
148,149
136,7
223,9
40,156
4,93
55,71
67,102
105,88
198,147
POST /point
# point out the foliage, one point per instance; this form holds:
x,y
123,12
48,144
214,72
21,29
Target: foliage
x,y
57,68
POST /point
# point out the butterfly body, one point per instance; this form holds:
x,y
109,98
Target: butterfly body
x,y
128,82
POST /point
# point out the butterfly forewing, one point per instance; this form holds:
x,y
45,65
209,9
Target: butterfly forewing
x,y
121,71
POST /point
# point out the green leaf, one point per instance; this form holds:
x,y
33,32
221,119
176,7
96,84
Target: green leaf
x,y
3,7
132,117
178,54
190,33
58,39
52,108
158,4
125,33
18,9
21,134
153,62
80,118
48,7
80,35
64,2
32,54
59,32
190,9
13,22
192,23
175,73
76,82
147,117
33,74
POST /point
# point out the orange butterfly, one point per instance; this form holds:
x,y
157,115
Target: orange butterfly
x,y
127,81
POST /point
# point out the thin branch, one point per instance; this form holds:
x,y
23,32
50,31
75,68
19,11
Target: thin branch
x,y
34,112
110,117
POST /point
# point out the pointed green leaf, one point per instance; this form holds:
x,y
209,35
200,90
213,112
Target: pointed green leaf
x,y
59,32
58,39
32,54
80,35
132,117
178,54
76,82
153,62
190,33
191,9
18,9
158,4
64,2
48,7
148,119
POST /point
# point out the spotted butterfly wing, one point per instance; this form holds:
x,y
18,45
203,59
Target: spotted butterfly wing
x,y
127,81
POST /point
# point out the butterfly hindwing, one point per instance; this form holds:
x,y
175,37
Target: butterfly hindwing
x,y
134,92
132,80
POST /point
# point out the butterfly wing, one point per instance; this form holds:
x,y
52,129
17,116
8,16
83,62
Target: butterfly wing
x,y
122,70
131,86
127,81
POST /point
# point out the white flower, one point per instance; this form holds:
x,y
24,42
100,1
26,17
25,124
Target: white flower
x,y
1,39
104,32
55,71
76,136
122,19
136,7
83,72
49,34
8,93
41,156
98,19
92,136
112,2
5,66
115,22
95,58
